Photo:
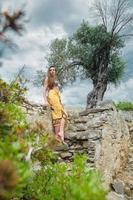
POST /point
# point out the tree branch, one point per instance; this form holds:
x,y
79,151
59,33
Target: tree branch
x,y
126,35
65,68
129,19
117,16
101,12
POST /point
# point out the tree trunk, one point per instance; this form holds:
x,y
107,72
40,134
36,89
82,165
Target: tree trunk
x,y
97,93
100,84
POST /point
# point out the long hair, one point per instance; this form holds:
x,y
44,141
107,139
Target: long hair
x,y
51,78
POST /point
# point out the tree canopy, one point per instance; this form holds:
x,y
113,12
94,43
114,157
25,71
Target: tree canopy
x,y
82,54
93,52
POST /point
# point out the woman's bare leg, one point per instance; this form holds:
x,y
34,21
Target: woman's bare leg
x,y
61,131
56,131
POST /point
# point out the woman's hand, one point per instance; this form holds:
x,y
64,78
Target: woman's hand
x,y
45,105
65,113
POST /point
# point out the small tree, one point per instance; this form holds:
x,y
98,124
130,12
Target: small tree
x,y
94,52
10,22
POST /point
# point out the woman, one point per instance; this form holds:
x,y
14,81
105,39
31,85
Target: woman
x,y
50,78
52,98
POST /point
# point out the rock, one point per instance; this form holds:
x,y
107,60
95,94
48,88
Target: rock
x,y
115,196
71,127
81,127
127,191
128,115
76,146
82,120
61,147
102,133
101,107
65,155
95,135
131,129
118,186
70,135
85,144
106,104
83,135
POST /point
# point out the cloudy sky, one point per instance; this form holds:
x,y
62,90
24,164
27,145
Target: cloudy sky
x,y
50,19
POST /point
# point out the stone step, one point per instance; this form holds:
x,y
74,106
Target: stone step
x,y
130,161
130,156
130,149
129,172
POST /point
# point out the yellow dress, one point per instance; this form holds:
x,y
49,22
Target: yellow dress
x,y
55,102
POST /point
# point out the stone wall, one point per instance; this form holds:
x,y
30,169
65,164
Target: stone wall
x,y
101,133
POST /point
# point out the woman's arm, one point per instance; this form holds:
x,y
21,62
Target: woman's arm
x,y
64,113
45,91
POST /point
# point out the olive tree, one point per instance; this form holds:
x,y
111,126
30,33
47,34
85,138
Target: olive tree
x,y
93,52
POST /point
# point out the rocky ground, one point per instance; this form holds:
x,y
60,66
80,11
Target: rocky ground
x,y
124,183
105,134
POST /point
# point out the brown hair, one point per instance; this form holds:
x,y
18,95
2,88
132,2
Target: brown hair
x,y
51,79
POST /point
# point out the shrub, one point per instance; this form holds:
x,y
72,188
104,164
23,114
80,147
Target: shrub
x,y
124,106
12,119
8,178
60,181
14,171
13,92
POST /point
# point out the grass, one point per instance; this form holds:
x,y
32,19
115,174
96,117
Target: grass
x,y
125,105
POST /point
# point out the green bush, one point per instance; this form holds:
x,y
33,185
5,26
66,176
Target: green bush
x,y
13,92
54,181
12,119
16,171
60,181
127,106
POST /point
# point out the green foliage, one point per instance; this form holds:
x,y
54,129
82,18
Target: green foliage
x,y
13,92
82,54
14,169
12,119
93,43
115,69
127,106
60,58
66,181
44,153
8,179
44,156
11,150
54,180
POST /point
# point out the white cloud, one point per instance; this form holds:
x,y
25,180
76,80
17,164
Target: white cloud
x,y
33,47
121,93
76,94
